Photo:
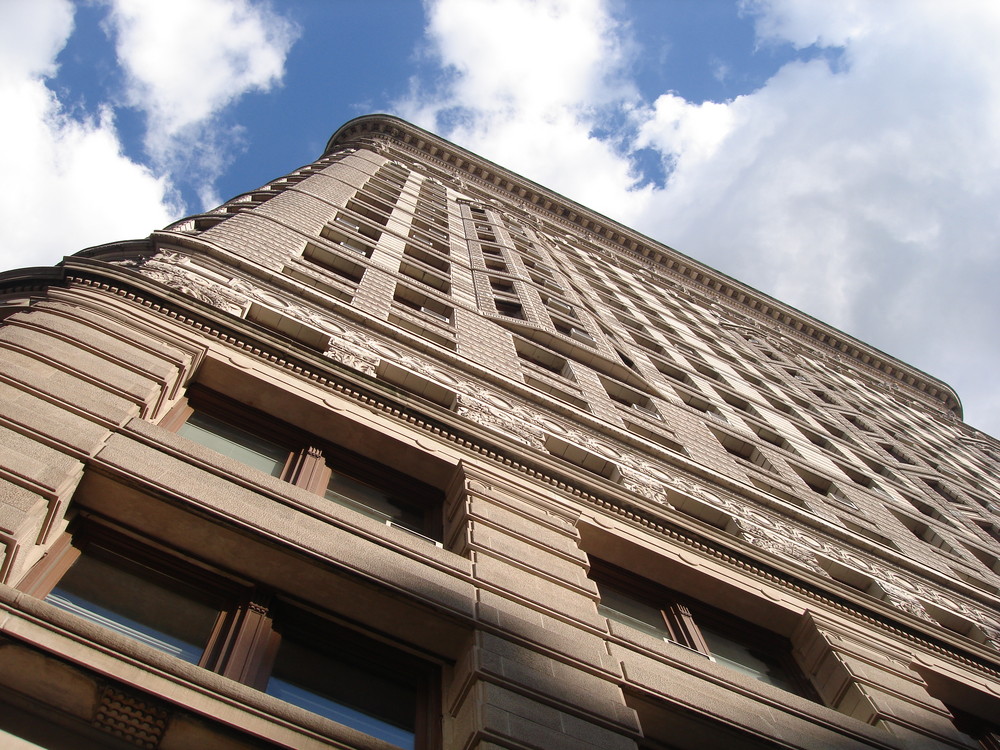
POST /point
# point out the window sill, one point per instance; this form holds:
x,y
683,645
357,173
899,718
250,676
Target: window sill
x,y
98,650
245,488
654,664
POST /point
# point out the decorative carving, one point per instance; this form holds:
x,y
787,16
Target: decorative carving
x,y
176,271
643,486
514,422
777,544
353,349
130,717
904,600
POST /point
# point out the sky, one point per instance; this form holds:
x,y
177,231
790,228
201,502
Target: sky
x,y
843,157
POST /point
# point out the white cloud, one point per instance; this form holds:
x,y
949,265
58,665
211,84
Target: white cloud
x,y
72,167
186,60
533,106
863,192
859,183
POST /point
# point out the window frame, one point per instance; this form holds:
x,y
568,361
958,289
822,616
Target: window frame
x,y
312,461
251,620
681,617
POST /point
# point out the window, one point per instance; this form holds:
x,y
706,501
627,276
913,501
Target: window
x,y
983,732
742,449
721,637
509,309
629,398
573,332
421,303
543,358
347,242
340,475
236,629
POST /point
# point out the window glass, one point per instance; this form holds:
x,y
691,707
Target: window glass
x,y
135,606
616,606
346,690
309,462
235,442
236,628
725,638
373,502
743,657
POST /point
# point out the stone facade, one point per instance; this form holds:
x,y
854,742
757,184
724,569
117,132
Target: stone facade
x,y
574,427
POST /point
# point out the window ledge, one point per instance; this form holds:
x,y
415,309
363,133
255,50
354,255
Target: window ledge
x,y
149,671
645,656
228,504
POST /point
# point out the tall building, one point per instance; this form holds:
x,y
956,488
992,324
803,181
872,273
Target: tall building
x,y
404,450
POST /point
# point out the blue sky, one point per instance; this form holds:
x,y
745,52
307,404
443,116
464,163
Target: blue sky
x,y
843,157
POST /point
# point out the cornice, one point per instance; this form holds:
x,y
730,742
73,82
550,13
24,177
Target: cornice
x,y
637,247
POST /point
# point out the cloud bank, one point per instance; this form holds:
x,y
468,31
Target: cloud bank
x,y
73,166
859,183
533,106
185,61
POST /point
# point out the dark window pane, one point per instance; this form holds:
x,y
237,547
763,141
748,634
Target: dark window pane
x,y
137,607
748,659
348,691
235,442
373,502
621,608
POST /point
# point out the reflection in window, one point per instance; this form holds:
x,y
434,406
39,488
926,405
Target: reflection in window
x,y
345,690
137,606
739,654
725,639
235,442
237,630
281,450
373,502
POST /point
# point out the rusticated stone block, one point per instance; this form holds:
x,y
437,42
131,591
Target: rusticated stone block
x,y
65,387
68,355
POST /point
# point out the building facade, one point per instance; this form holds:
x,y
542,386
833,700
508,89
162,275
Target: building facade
x,y
404,450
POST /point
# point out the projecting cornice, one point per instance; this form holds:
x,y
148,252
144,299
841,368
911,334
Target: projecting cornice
x,y
638,247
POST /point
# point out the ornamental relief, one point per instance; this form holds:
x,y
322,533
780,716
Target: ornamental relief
x,y
286,307
778,545
363,352
356,358
902,592
176,271
514,423
904,600
644,486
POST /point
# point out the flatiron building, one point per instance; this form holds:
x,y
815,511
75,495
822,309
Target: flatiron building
x,y
404,450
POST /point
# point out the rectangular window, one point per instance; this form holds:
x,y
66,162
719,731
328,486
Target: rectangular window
x,y
721,637
235,442
279,449
573,332
237,630
509,308
134,599
414,300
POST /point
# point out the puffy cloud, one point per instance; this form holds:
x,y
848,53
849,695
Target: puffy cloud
x,y
533,107
32,34
185,61
860,189
74,167
859,183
